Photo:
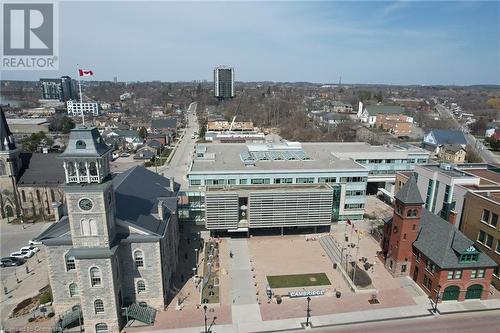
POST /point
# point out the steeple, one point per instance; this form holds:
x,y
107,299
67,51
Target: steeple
x,y
409,193
6,138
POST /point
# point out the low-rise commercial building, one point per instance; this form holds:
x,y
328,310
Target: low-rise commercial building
x,y
480,223
87,108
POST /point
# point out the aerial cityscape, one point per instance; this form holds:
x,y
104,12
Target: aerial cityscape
x,y
178,167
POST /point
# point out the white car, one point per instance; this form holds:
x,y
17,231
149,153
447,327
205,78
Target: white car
x,y
32,242
22,254
32,248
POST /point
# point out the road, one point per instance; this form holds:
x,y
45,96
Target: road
x,y
484,322
478,146
182,157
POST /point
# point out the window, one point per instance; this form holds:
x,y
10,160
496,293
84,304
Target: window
x,y
195,182
243,181
430,266
80,144
283,180
327,180
427,282
89,227
231,182
480,273
498,246
414,227
95,277
404,236
403,268
306,180
469,257
70,263
418,256
101,328
494,220
38,196
139,258
141,286
354,206
73,290
98,306
23,195
473,273
52,195
259,181
485,238
486,216
447,193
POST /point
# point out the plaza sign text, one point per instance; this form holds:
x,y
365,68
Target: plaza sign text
x,y
305,293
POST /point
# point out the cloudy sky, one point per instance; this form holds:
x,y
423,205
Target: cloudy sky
x,y
411,42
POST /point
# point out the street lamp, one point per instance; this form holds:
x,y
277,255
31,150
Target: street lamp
x,y
438,297
308,311
205,309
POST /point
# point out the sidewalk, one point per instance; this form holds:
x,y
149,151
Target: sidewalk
x,y
357,317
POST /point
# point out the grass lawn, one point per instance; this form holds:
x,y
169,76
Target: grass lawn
x,y
298,280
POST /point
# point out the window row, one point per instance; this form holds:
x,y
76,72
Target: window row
x,y
485,239
489,218
287,180
38,196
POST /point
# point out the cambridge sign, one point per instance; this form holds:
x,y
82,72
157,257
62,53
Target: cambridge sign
x,y
305,293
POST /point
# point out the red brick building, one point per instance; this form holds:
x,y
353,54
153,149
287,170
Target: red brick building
x,y
438,257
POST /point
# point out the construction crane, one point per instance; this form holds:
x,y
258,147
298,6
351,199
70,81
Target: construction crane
x,y
237,111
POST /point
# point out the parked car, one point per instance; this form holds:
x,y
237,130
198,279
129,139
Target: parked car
x,y
34,242
10,261
32,248
22,254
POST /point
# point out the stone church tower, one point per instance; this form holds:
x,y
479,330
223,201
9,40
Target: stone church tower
x,y
10,164
91,212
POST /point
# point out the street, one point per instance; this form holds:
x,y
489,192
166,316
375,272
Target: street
x,y
478,146
484,322
181,159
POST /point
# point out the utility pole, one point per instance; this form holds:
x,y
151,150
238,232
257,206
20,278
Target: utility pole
x,y
205,309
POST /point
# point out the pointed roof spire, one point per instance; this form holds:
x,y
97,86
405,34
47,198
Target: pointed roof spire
x,y
6,138
409,193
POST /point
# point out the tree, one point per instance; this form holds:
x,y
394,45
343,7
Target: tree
x,y
379,97
472,155
198,88
34,140
143,133
479,126
62,124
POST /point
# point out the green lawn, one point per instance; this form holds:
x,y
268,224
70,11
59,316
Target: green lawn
x,y
298,280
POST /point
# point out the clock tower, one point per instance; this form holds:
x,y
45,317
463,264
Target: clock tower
x,y
91,213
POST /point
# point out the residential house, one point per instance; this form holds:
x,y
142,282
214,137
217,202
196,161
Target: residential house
x,y
368,114
452,154
436,139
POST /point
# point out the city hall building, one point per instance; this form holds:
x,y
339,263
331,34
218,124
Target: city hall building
x,y
239,187
116,250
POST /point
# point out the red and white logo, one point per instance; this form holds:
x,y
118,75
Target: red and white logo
x,y
83,72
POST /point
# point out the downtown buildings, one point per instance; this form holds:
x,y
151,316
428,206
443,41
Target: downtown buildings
x,y
224,82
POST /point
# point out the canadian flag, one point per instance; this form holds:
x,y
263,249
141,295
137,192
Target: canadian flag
x,y
83,72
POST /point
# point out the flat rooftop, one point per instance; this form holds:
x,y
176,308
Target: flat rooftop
x,y
492,177
363,150
221,157
26,121
450,172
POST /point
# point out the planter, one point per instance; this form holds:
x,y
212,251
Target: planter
x,y
338,294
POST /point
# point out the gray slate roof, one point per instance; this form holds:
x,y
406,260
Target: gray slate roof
x,y
40,170
6,138
442,243
137,191
85,142
409,193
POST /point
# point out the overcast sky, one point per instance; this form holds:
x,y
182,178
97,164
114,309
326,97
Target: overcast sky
x,y
364,42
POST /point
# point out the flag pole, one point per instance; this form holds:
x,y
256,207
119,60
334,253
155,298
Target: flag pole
x,y
81,98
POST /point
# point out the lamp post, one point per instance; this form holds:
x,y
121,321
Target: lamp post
x,y
308,311
438,297
205,309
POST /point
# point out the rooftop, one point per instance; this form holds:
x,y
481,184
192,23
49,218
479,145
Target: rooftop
x,y
26,121
307,156
491,176
363,150
40,170
384,109
275,188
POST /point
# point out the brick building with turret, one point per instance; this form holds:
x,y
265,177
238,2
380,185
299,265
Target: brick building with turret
x,y
438,257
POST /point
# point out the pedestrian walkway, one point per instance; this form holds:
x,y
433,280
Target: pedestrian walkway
x,y
243,293
357,317
332,250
